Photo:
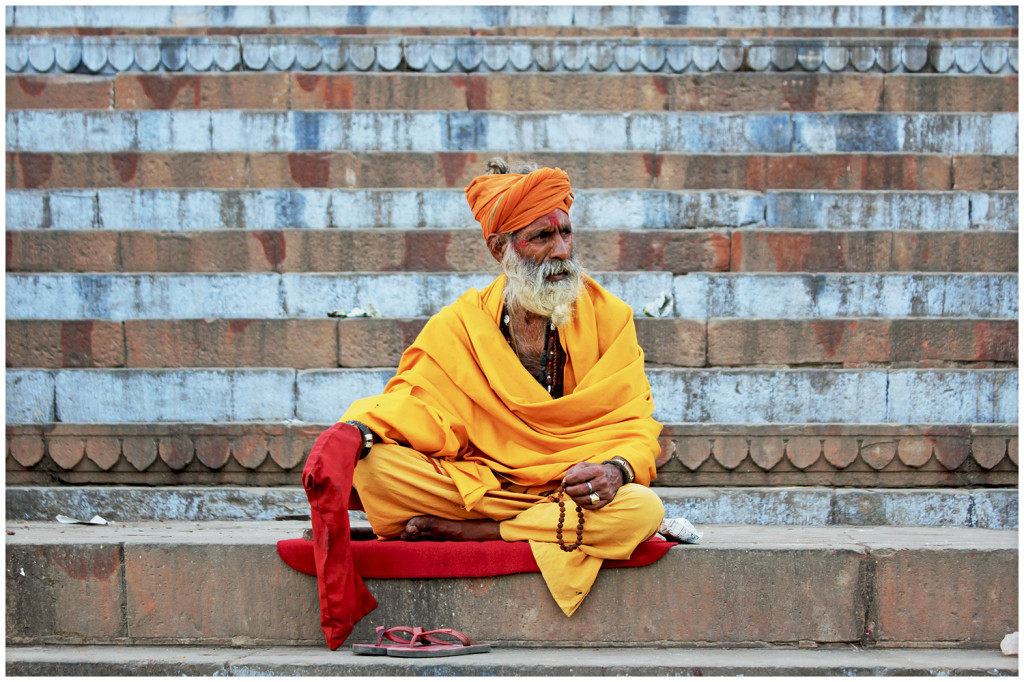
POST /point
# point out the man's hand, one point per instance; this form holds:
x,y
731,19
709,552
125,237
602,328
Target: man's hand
x,y
604,479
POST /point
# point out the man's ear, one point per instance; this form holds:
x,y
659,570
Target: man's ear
x,y
496,245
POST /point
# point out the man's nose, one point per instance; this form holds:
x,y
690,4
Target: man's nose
x,y
561,247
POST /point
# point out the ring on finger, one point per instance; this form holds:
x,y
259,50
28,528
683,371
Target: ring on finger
x,y
590,488
594,498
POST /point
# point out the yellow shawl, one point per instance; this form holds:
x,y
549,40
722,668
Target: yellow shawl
x,y
461,395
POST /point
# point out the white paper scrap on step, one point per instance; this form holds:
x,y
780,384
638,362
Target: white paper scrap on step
x,y
94,521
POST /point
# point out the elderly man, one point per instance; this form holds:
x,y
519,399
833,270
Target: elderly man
x,y
521,408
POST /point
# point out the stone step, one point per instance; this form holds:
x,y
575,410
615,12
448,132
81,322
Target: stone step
x,y
1008,32
188,210
994,508
146,583
463,250
590,171
698,295
725,132
174,16
370,342
485,54
75,661
694,454
703,295
893,396
542,91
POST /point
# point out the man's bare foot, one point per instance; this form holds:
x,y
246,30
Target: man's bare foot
x,y
434,528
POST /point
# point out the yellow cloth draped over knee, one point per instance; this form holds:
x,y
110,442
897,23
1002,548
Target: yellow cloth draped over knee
x,y
461,395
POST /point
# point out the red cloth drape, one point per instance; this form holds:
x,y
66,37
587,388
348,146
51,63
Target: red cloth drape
x,y
327,478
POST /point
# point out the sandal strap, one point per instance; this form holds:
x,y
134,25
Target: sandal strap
x,y
383,632
431,636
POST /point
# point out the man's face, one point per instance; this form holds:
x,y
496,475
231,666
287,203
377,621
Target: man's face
x,y
542,274
546,239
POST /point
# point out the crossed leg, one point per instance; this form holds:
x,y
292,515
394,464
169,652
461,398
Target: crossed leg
x,y
407,495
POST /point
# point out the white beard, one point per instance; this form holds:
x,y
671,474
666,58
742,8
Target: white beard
x,y
527,286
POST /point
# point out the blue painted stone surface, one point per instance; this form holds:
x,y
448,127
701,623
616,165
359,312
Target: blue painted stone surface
x,y
393,295
996,509
268,209
995,211
696,295
324,395
268,295
29,396
702,295
171,503
197,395
778,507
762,396
965,508
952,396
285,131
542,15
272,209
689,395
142,296
808,210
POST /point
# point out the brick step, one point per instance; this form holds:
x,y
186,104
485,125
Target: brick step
x,y
752,395
559,17
994,508
694,454
436,131
371,342
592,660
188,210
698,295
462,250
517,91
146,583
461,54
590,170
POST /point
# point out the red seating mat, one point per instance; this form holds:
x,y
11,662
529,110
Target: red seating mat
x,y
430,559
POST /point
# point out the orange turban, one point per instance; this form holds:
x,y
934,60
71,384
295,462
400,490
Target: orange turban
x,y
506,202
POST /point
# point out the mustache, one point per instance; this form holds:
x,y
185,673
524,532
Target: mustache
x,y
569,266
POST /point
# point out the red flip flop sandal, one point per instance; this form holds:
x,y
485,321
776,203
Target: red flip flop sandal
x,y
380,648
438,643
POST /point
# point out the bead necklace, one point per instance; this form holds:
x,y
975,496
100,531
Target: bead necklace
x,y
554,363
557,496
554,356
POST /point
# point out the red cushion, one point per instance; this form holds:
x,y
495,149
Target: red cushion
x,y
427,559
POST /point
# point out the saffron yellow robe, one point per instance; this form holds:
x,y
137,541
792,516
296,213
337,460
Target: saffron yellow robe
x,y
462,396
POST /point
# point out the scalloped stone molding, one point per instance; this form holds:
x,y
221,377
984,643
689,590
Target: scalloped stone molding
x,y
692,454
113,54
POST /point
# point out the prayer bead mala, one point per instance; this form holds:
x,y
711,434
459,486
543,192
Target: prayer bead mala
x,y
557,497
552,363
554,357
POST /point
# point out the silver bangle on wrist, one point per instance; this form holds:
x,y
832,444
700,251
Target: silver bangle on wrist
x,y
367,435
623,466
